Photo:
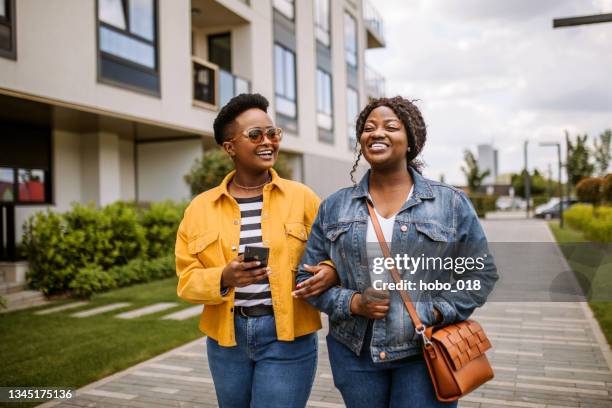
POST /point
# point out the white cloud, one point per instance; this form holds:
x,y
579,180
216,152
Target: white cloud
x,y
496,71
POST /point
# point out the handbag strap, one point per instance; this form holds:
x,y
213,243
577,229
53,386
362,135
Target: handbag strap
x,y
419,326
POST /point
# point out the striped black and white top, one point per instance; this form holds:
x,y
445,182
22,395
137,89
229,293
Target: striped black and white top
x,y
250,234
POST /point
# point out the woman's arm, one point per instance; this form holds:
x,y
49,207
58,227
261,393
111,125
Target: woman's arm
x,y
335,301
197,284
458,305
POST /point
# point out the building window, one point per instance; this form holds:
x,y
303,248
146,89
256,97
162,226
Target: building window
x,y
127,44
324,100
285,7
220,50
7,29
352,110
350,39
322,21
284,70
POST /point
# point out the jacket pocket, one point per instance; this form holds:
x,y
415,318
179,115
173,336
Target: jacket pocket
x,y
296,241
433,232
335,231
207,247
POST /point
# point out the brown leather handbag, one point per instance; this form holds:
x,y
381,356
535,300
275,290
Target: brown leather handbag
x,y
455,354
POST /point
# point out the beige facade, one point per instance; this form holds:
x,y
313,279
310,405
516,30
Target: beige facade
x,y
112,141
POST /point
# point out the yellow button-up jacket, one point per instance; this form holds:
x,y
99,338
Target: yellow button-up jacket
x,y
208,239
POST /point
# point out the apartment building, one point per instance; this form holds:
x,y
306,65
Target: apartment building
x,y
105,100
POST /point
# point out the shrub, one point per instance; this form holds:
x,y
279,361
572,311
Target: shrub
x,y
589,190
539,200
161,223
594,222
142,270
578,216
91,279
483,203
59,245
209,170
606,190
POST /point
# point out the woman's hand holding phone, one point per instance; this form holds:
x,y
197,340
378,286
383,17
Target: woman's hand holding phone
x,y
239,274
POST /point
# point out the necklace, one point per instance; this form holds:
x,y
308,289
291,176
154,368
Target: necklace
x,y
251,188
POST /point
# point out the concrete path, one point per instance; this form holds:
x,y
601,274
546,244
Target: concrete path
x,y
545,355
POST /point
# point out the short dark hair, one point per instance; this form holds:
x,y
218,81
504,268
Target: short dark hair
x,y
235,107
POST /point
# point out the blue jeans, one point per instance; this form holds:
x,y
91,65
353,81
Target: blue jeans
x,y
402,383
261,371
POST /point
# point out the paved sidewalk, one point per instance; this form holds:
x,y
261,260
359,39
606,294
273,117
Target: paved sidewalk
x,y
544,354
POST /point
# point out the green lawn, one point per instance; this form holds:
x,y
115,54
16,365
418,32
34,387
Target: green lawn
x,y
63,351
595,277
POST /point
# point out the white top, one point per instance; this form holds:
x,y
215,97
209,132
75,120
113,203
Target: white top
x,y
373,247
386,224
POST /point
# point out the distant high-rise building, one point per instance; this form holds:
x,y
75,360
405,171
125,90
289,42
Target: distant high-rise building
x,y
487,160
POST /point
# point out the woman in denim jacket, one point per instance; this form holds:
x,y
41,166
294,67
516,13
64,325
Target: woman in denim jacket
x,y
374,351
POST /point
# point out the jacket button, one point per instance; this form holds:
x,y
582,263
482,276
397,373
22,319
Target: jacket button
x,y
232,310
404,228
382,355
236,222
234,248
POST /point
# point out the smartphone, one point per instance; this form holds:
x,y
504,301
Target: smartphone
x,y
256,253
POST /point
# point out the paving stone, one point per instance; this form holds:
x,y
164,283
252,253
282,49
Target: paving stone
x,y
143,311
101,309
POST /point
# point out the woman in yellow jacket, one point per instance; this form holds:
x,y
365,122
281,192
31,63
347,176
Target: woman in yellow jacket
x,y
262,343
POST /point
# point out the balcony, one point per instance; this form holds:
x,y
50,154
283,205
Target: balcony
x,y
374,26
374,83
214,87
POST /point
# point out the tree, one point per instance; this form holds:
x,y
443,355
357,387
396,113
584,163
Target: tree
x,y
538,183
601,152
578,164
472,172
209,170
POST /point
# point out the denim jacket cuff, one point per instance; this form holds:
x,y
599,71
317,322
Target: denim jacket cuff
x,y
343,308
447,310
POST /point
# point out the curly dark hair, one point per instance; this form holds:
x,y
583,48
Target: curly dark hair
x,y
233,108
411,117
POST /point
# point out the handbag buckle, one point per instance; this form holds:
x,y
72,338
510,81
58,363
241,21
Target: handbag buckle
x,y
421,332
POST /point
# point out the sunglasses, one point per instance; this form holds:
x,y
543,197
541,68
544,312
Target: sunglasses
x,y
256,135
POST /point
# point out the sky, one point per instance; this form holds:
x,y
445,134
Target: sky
x,y
495,71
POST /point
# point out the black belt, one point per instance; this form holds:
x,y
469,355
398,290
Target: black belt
x,y
253,311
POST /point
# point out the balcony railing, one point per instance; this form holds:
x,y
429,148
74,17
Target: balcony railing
x,y
214,87
374,24
375,84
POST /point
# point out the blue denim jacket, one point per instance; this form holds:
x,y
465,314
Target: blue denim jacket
x,y
435,213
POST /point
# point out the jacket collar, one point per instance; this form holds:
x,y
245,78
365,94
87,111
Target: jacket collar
x,y
221,189
422,187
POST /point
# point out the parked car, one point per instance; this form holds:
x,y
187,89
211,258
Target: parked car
x,y
552,208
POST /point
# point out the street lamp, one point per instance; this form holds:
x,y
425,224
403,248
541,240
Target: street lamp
x,y
558,145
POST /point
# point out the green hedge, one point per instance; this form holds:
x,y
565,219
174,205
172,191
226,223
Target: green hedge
x,y
483,203
93,279
595,222
539,200
77,245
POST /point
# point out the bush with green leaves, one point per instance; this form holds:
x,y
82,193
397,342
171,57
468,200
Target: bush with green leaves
x,y
143,270
91,279
209,170
594,222
161,221
483,203
578,216
59,245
